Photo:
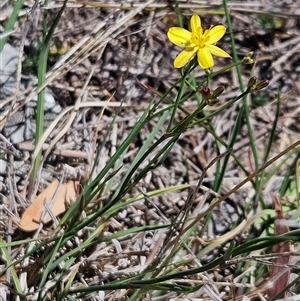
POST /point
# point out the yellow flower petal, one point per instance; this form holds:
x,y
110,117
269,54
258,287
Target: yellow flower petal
x,y
184,57
217,51
195,23
179,36
215,34
205,59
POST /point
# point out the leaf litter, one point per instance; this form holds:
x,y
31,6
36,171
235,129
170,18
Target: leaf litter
x,y
137,51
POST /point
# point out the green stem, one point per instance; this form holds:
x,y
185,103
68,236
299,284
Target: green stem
x,y
219,178
40,109
11,21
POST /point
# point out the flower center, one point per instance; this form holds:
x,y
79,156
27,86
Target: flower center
x,y
199,38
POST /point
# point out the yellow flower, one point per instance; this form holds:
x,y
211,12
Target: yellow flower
x,y
197,41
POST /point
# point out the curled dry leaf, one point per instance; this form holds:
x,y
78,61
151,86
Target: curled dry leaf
x,y
66,194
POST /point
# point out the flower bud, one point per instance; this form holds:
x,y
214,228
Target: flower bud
x,y
255,85
249,55
248,60
205,92
252,83
217,92
262,84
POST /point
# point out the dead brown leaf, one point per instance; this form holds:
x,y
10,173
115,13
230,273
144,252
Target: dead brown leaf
x,y
66,193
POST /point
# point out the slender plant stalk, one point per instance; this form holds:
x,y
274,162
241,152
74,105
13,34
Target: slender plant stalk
x,y
219,178
11,21
42,70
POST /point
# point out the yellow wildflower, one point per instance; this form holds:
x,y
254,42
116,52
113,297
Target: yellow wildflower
x,y
197,42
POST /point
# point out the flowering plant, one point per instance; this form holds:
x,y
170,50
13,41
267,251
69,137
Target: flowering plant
x,y
197,41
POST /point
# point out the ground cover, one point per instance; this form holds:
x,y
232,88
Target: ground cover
x,y
124,177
